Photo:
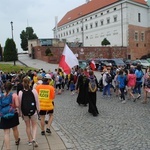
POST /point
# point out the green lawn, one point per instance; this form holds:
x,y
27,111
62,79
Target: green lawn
x,y
16,68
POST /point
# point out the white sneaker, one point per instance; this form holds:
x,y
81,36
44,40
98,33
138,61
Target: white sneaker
x,y
29,143
35,143
124,101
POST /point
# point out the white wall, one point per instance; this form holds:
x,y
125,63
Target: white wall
x,y
115,32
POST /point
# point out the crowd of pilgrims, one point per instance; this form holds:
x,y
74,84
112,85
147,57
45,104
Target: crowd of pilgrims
x,y
126,84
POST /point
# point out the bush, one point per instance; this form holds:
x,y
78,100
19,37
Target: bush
x,y
48,52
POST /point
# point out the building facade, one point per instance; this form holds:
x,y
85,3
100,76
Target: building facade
x,y
124,23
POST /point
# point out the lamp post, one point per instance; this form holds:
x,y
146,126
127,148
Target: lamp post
x,y
12,37
12,29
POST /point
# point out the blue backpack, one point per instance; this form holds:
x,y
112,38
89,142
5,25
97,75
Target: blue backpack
x,y
6,109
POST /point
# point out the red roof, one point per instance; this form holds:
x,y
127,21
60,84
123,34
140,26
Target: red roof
x,y
88,8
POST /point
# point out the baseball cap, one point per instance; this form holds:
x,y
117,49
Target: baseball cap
x,y
47,76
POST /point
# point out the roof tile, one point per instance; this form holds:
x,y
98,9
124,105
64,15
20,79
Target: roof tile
x,y
88,8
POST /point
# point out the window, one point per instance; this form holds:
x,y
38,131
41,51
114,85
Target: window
x,y
107,11
86,27
86,37
77,29
139,17
102,22
90,17
114,8
115,18
69,32
73,31
108,20
96,24
142,37
136,36
101,13
81,28
95,16
91,25
85,19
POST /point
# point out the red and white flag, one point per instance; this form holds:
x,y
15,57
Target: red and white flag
x,y
92,65
68,60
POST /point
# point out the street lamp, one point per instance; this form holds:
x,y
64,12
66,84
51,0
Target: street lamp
x,y
12,29
12,37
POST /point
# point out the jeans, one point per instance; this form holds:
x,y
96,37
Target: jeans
x,y
106,89
122,93
137,88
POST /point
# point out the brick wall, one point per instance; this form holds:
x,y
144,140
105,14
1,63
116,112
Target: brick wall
x,y
82,53
138,48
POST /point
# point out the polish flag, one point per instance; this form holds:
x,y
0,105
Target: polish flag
x,y
92,65
68,60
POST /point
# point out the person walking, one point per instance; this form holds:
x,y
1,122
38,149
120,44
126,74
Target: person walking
x,y
131,81
46,94
82,88
107,79
122,80
139,80
30,120
93,86
11,122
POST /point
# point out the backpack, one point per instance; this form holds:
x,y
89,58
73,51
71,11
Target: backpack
x,y
6,109
28,103
92,85
139,75
108,78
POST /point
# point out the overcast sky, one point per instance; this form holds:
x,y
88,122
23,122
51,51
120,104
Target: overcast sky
x,y
38,14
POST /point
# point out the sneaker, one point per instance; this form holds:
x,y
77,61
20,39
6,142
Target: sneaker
x,y
134,99
46,122
35,143
17,142
120,98
138,96
42,132
29,143
48,130
124,101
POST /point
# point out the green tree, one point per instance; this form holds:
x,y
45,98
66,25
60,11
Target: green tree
x,y
48,52
1,53
10,51
26,35
105,42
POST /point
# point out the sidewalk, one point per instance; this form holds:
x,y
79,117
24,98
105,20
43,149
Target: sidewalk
x,y
47,142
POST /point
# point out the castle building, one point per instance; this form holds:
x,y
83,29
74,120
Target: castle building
x,y
124,23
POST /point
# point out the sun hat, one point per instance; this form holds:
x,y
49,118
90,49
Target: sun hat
x,y
47,76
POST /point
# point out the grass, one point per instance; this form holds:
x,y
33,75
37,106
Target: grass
x,y
12,68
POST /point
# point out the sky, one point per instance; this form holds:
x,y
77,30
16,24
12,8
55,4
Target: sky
x,y
38,14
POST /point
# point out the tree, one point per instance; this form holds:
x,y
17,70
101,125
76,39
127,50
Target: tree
x,y
105,42
10,51
1,53
26,35
48,52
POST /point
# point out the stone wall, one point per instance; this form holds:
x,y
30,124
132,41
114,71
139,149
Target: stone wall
x,y
82,53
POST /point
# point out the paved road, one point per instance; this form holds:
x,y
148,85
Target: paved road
x,y
118,126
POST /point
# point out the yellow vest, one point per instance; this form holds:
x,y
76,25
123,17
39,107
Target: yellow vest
x,y
46,95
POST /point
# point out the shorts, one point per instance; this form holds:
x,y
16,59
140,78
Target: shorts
x,y
44,112
33,118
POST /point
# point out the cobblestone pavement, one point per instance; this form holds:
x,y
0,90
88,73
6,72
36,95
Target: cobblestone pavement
x,y
118,126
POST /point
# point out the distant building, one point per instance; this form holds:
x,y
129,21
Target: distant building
x,y
124,23
44,42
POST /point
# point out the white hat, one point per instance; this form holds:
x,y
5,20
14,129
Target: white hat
x,y
47,76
